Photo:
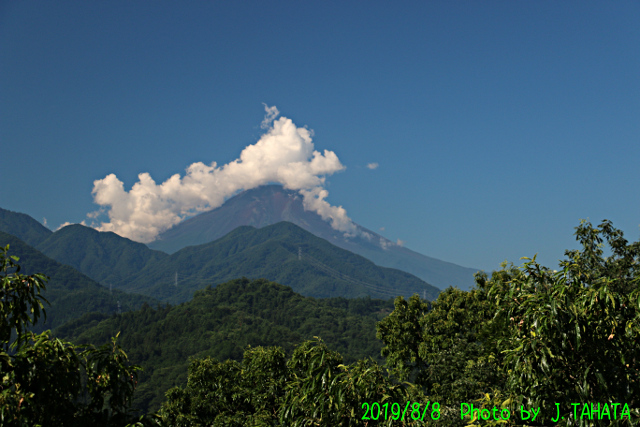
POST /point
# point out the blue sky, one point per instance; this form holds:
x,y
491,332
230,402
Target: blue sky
x,y
496,126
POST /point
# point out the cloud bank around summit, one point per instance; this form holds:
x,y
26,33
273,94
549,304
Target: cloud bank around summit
x,y
284,154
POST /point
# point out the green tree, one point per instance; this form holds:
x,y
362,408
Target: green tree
x,y
229,393
312,388
49,382
530,336
448,348
573,335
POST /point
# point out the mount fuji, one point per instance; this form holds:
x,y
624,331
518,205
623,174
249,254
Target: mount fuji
x,y
271,204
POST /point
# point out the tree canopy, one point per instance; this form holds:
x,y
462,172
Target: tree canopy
x,y
530,336
49,382
546,347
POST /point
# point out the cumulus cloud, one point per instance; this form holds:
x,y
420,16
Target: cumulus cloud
x,y
284,154
372,166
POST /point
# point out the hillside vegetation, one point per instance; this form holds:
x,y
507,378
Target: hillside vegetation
x,y
530,345
221,322
104,256
23,227
70,293
269,204
281,252
284,253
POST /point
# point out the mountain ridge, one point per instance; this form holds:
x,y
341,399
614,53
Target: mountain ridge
x,y
269,204
282,252
106,257
69,292
23,227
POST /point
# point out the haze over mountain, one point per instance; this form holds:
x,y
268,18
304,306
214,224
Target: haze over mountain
x,y
270,204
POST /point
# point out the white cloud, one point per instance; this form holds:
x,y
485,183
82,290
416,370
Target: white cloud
x,y
271,114
44,221
400,242
385,244
372,166
284,154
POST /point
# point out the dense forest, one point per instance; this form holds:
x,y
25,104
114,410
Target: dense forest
x,y
70,293
527,346
222,322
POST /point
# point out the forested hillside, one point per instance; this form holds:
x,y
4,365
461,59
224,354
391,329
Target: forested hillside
x,y
282,252
104,256
270,204
221,322
526,345
70,293
23,227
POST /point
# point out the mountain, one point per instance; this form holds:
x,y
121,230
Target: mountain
x,y
221,322
282,252
69,292
104,256
23,227
270,204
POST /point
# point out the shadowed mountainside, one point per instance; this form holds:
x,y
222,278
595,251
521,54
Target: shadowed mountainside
x,y
282,252
69,292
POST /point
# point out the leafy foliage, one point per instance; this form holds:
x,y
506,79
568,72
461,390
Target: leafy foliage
x,y
444,347
49,382
530,336
313,387
20,301
574,334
